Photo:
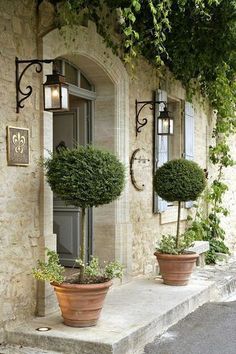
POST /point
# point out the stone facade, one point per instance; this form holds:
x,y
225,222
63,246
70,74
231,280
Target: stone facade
x,y
20,234
126,230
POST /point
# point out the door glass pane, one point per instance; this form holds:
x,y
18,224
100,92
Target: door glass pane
x,y
71,74
64,129
57,66
84,83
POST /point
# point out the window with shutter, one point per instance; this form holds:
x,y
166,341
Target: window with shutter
x,y
160,151
171,147
188,137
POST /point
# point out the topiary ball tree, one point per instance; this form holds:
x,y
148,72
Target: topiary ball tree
x,y
85,177
179,180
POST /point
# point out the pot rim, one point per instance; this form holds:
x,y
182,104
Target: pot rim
x,y
188,254
106,284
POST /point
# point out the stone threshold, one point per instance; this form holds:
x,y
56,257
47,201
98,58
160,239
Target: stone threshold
x,y
133,315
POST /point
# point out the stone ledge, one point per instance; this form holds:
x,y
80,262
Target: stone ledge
x,y
133,315
200,247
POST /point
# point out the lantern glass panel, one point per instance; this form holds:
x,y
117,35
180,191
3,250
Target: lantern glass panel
x,y
64,97
163,126
171,126
52,96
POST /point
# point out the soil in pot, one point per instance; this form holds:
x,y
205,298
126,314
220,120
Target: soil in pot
x,y
81,304
176,269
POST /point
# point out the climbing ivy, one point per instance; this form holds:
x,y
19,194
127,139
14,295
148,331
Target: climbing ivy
x,y
196,40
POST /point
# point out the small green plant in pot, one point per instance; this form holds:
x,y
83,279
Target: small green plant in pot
x,y
178,180
83,177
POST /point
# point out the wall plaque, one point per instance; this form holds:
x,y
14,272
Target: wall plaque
x,y
17,146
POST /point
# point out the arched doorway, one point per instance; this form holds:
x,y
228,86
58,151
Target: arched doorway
x,y
110,119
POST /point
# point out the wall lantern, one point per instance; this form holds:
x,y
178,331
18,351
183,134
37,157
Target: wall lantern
x,y
56,92
165,124
164,121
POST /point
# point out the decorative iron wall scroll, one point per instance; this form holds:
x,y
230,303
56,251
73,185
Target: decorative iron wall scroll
x,y
137,164
17,146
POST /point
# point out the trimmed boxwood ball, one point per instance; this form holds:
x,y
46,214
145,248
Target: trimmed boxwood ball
x,y
179,180
85,176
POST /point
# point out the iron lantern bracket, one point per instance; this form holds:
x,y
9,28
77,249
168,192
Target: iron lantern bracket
x,y
28,90
139,105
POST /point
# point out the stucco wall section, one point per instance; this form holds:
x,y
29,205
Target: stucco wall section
x,y
19,194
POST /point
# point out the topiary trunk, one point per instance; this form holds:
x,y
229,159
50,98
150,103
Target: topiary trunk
x,y
178,225
82,245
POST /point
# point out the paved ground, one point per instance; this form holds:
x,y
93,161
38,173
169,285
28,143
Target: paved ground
x,y
211,329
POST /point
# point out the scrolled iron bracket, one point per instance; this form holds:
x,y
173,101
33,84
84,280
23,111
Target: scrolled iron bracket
x,y
29,89
139,105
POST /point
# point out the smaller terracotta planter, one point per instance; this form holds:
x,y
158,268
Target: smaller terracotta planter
x,y
81,304
176,269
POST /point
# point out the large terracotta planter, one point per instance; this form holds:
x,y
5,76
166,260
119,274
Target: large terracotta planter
x,y
81,304
176,269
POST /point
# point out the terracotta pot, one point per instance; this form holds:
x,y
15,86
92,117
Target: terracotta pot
x,y
81,304
176,269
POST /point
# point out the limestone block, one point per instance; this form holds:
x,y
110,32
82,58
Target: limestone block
x,y
46,16
16,25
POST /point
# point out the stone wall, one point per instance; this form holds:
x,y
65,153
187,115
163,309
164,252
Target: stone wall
x,y
20,186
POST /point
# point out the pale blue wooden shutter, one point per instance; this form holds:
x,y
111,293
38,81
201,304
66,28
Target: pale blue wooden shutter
x,y
189,137
160,151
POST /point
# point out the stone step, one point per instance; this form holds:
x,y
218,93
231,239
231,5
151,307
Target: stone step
x,y
18,349
133,315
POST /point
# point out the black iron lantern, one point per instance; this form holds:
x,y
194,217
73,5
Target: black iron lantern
x,y
56,93
165,123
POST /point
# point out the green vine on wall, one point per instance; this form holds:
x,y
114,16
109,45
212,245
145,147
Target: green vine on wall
x,y
196,40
